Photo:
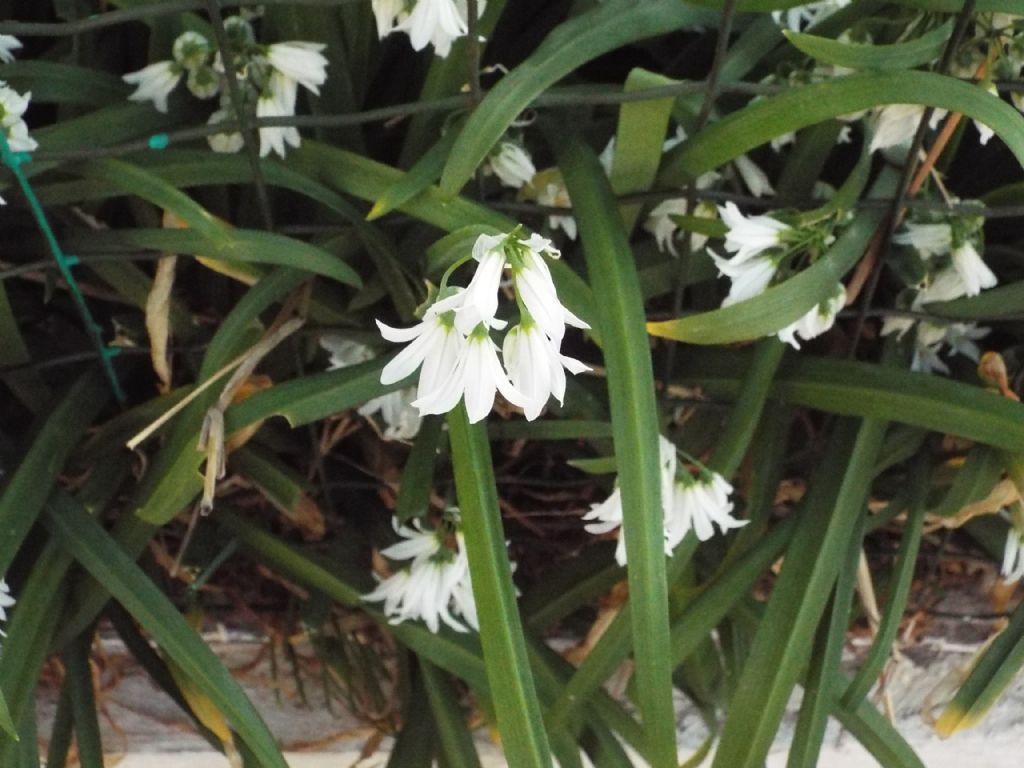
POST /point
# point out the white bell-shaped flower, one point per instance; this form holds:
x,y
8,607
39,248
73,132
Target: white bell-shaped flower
x,y
972,269
6,601
155,83
927,239
387,13
1013,551
536,288
278,100
511,163
8,45
749,277
700,503
435,22
819,319
301,62
535,366
749,236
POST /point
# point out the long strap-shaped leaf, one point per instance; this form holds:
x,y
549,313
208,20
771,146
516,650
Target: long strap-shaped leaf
x,y
609,26
501,629
762,121
620,315
100,555
783,641
30,484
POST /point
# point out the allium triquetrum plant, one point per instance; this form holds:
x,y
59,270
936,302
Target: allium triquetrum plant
x,y
635,324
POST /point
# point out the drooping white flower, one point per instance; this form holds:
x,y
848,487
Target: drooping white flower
x,y
12,107
661,224
278,100
422,590
688,503
927,239
225,143
749,236
301,62
536,289
699,503
480,301
932,337
819,319
535,366
749,277
8,45
972,270
895,124
476,378
944,285
800,17
155,83
434,347
402,419
387,14
555,195
511,164
435,22
755,179
6,601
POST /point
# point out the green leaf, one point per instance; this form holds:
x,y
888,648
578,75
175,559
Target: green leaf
x,y
241,245
611,25
456,740
100,555
418,475
6,724
908,55
638,140
1004,301
783,641
501,630
620,317
83,702
29,485
861,389
993,672
51,82
878,736
973,481
763,120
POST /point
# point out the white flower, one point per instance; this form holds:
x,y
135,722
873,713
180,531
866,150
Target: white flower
x,y
931,338
817,321
6,601
700,502
437,22
8,45
944,285
896,124
972,270
154,83
19,140
661,224
802,16
927,239
401,418
301,62
278,100
435,344
225,143
424,589
557,196
535,287
511,164
480,301
748,236
387,13
749,278
752,175
476,377
535,366
12,107
1013,553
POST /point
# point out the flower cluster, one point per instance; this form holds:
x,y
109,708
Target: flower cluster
x,y
426,22
269,76
452,345
401,419
947,256
688,503
12,108
434,586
